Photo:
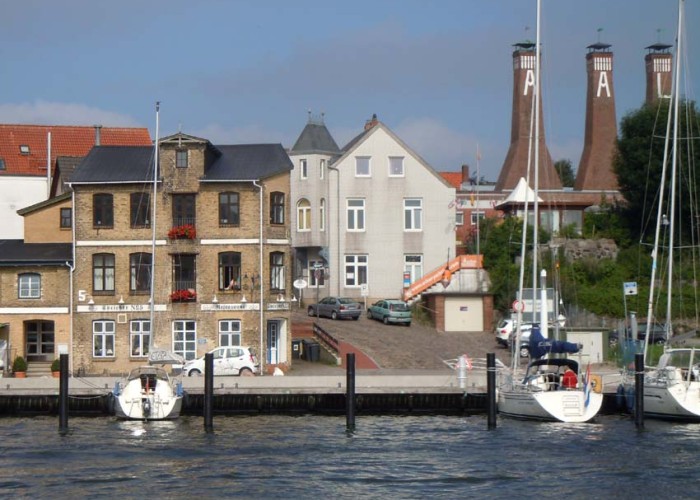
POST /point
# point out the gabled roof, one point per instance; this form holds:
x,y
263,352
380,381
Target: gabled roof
x,y
315,138
65,141
454,178
19,253
46,203
121,164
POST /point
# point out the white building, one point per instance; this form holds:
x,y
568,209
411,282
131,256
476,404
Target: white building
x,y
371,216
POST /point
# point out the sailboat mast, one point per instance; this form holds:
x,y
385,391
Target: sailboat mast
x,y
535,202
153,232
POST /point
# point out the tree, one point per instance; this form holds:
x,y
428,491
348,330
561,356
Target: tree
x,y
566,172
639,162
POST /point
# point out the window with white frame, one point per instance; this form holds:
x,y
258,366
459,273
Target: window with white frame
x,y
29,285
322,169
277,271
139,337
229,332
396,166
304,215
413,264
185,338
322,215
477,216
355,270
362,166
103,338
459,218
317,278
303,168
356,214
413,214
103,272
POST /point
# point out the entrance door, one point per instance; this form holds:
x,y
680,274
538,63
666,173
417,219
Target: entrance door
x,y
39,337
273,331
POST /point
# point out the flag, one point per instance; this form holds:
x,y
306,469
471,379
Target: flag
x,y
587,386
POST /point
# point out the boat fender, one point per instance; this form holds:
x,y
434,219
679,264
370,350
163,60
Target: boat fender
x,y
117,388
178,389
629,399
620,398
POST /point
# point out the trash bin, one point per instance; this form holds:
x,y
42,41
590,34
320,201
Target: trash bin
x,y
296,349
312,351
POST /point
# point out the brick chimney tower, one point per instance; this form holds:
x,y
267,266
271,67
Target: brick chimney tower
x,y
595,171
659,67
515,165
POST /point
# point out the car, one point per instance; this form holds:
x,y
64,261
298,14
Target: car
x,y
390,311
506,330
658,334
525,330
336,308
228,360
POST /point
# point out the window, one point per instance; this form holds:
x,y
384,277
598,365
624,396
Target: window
x,y
24,149
184,209
322,169
229,209
185,339
181,158
317,277
140,209
276,271
139,337
229,271
140,278
184,272
322,215
276,208
356,214
303,169
412,214
396,166
29,286
355,270
2,164
477,216
103,338
229,332
102,210
413,265
103,272
66,218
362,168
304,215
459,218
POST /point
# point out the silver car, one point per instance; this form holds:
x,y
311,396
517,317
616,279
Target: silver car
x,y
231,360
336,308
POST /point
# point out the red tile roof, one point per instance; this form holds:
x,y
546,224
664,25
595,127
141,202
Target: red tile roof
x,y
454,178
66,140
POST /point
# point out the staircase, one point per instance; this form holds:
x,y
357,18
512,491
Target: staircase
x,y
439,279
39,369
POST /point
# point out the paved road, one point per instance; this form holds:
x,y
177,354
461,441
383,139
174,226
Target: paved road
x,y
414,347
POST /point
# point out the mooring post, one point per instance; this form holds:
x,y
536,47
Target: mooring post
x,y
63,394
208,392
491,388
350,392
639,390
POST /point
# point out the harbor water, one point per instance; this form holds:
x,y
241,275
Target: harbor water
x,y
308,456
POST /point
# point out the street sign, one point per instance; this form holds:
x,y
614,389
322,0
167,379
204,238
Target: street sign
x,y
300,283
364,290
630,287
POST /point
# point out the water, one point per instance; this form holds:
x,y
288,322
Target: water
x,y
386,457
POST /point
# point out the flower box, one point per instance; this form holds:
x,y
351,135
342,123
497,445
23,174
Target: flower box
x,y
183,296
184,232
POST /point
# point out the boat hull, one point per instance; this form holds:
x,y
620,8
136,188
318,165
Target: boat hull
x,y
147,395
672,400
553,406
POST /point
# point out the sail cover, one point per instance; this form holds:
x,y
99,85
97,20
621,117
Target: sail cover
x,y
540,346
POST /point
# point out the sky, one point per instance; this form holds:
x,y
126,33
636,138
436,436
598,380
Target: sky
x,y
436,72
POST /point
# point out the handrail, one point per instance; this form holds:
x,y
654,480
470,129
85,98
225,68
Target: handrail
x,y
436,275
326,337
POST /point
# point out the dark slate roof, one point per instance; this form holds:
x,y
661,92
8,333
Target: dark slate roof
x,y
19,253
44,203
315,138
243,162
355,140
105,164
65,166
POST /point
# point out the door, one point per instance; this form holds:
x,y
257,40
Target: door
x,y
273,331
39,337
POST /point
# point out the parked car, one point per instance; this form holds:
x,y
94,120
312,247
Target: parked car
x,y
390,311
658,334
525,330
232,360
336,308
506,330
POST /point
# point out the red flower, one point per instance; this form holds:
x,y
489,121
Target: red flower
x,y
183,295
186,231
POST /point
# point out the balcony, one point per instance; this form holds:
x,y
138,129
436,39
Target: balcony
x,y
183,232
183,295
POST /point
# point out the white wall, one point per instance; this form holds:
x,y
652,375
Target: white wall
x,y
17,193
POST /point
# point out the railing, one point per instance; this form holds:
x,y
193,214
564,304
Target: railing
x,y
184,285
183,221
436,275
327,338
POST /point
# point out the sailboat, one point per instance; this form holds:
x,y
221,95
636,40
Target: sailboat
x,y
672,387
149,393
551,389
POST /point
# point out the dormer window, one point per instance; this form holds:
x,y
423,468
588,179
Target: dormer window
x,y
181,158
24,149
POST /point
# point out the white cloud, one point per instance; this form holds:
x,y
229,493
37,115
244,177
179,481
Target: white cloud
x,y
59,113
248,134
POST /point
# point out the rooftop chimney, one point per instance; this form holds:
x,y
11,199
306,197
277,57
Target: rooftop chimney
x,y
658,62
371,123
595,171
515,165
98,132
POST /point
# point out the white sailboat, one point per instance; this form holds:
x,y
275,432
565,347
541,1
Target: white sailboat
x,y
545,392
672,387
149,393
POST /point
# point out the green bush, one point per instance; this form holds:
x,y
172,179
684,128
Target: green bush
x,y
56,365
19,364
